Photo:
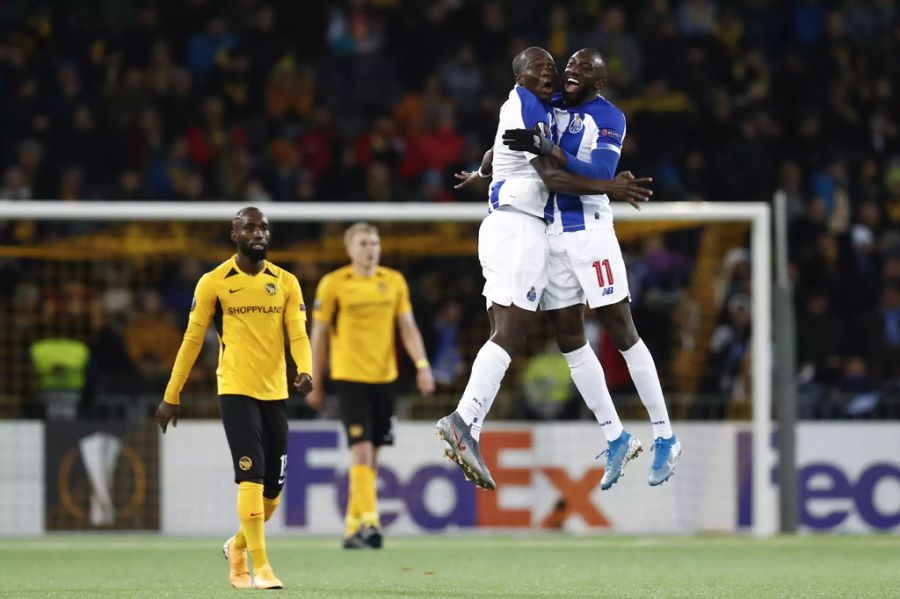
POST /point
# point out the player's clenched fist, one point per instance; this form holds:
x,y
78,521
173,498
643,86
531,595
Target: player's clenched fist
x,y
303,383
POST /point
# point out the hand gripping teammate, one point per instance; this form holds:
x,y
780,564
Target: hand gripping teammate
x,y
513,249
586,266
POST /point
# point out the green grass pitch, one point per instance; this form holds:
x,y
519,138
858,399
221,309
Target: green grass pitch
x,y
123,566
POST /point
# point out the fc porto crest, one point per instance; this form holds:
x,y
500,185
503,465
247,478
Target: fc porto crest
x,y
576,124
531,295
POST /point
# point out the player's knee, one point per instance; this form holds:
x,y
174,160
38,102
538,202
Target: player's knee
x,y
569,342
270,500
272,492
510,341
623,337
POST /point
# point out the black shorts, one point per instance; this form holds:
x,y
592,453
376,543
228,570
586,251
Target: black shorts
x,y
257,436
367,410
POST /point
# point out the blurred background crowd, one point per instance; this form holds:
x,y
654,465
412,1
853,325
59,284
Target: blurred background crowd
x,y
383,100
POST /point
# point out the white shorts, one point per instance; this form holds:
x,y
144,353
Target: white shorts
x,y
513,248
585,266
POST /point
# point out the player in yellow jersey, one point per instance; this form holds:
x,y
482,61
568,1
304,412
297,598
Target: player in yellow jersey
x,y
252,302
357,309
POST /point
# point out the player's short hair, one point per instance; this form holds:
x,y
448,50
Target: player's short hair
x,y
242,213
356,228
598,60
521,60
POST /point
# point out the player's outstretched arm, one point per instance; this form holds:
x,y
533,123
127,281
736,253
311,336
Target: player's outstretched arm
x,y
467,178
623,186
411,338
602,164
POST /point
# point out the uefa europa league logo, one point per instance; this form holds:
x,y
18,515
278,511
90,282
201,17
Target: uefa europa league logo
x,y
99,454
108,463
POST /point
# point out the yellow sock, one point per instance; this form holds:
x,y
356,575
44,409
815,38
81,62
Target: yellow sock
x,y
251,512
368,500
240,541
353,518
269,505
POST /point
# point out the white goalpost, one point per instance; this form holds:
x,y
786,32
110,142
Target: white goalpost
x,y
757,215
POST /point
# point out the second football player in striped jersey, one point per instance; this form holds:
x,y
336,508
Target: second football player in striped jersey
x,y
513,247
586,266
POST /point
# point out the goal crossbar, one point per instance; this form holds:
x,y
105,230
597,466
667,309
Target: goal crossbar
x,y
765,509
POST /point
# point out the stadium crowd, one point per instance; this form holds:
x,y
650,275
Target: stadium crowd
x,y
382,100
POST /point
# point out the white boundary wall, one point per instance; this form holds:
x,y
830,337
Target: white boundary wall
x,y
756,213
849,480
21,477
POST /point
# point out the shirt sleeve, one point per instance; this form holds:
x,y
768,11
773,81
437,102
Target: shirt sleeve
x,y
295,322
532,113
606,148
202,308
326,301
294,308
403,303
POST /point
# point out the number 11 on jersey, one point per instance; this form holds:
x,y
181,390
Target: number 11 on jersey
x,y
602,266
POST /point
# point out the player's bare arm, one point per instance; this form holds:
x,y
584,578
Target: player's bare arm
x,y
415,348
551,162
319,342
467,178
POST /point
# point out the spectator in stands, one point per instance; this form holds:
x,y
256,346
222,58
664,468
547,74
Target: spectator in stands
x,y
725,101
15,185
152,341
204,48
820,335
727,370
879,343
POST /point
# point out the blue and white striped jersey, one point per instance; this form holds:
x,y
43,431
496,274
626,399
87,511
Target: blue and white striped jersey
x,y
515,182
591,134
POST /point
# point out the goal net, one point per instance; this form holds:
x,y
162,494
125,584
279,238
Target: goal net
x,y
96,297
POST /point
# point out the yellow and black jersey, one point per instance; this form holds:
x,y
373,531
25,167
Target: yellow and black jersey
x,y
362,315
250,313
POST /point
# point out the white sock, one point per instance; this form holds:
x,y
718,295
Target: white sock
x,y
587,374
646,381
487,373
